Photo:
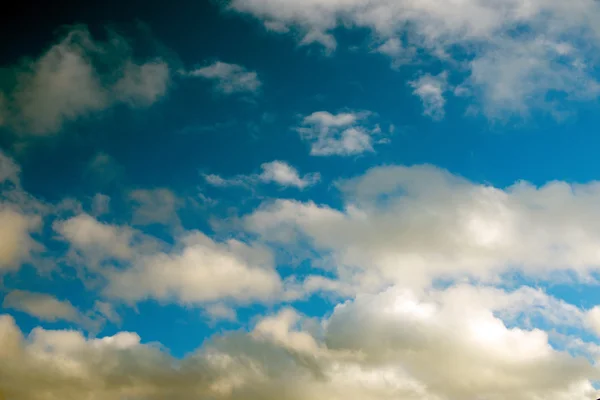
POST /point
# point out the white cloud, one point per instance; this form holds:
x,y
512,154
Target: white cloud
x,y
342,134
515,50
513,77
400,227
391,47
16,243
283,174
195,270
397,51
325,39
66,83
593,319
430,89
283,329
48,308
229,78
455,347
439,345
96,241
220,312
143,85
328,120
278,172
415,224
199,271
43,306
21,217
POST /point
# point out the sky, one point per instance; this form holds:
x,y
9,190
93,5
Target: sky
x,y
300,200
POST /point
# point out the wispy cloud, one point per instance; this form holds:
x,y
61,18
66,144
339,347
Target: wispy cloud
x,y
277,172
229,78
156,206
430,89
48,308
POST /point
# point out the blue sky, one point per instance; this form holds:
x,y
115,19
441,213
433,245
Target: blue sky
x,y
255,199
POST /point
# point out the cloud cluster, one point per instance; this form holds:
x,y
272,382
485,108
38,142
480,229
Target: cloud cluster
x,y
133,267
78,77
412,225
440,345
513,52
128,265
396,337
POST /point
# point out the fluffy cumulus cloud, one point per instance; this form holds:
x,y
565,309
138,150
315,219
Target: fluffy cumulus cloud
x,y
396,335
512,52
129,265
454,346
229,78
342,134
283,174
93,241
133,267
415,224
77,77
436,345
199,271
417,280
